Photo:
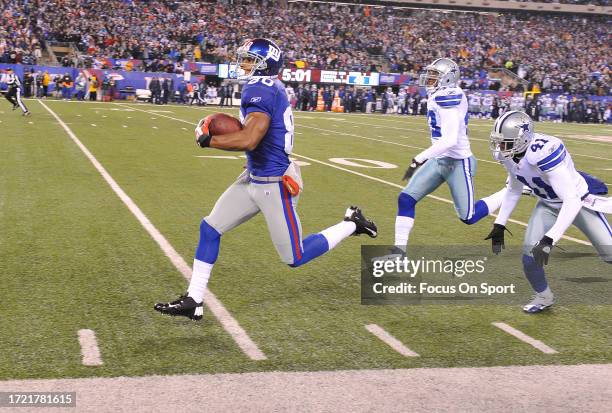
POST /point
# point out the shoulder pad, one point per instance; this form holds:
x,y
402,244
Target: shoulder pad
x,y
449,97
545,152
258,90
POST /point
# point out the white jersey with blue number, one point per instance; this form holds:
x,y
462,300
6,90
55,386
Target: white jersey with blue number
x,y
449,103
544,154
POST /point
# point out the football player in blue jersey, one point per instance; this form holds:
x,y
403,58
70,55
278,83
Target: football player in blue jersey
x,y
449,159
271,184
565,197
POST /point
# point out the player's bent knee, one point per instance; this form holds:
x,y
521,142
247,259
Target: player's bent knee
x,y
208,246
480,211
406,205
529,264
207,232
470,221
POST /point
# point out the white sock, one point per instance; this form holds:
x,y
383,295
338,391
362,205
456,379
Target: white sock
x,y
546,293
338,232
494,201
199,280
403,226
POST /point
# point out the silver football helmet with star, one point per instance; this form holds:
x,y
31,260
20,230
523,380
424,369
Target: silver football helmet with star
x,y
441,73
511,134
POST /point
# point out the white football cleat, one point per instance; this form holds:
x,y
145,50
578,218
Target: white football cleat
x,y
539,303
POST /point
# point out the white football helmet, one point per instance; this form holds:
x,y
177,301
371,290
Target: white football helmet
x,y
441,73
511,134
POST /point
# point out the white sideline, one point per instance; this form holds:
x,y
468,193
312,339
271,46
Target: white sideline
x,y
525,338
391,341
228,322
448,201
89,348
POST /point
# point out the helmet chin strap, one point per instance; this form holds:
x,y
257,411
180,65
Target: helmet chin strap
x,y
518,156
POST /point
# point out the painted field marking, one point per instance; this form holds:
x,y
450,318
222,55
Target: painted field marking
x,y
391,341
90,352
418,147
229,323
525,338
378,140
448,201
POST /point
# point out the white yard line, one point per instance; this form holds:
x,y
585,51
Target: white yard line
x,y
89,348
448,201
422,131
525,338
228,322
325,132
391,341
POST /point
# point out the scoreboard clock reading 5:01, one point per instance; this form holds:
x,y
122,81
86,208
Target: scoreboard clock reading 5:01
x,y
300,75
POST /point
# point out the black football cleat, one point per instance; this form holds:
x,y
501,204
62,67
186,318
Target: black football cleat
x,y
26,113
15,107
183,306
364,225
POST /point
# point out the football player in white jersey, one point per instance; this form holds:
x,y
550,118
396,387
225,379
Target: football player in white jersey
x,y
474,104
487,104
566,197
449,159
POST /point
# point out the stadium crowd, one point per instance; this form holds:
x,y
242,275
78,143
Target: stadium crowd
x,y
580,2
485,105
556,52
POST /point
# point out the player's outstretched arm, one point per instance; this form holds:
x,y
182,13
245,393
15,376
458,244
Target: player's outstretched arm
x,y
513,194
558,179
572,204
254,129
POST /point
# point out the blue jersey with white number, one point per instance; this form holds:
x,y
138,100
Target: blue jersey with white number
x,y
267,95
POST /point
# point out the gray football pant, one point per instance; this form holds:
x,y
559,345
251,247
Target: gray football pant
x,y
592,224
457,173
246,198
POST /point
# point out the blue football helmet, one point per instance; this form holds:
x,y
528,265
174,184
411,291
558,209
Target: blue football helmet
x,y
266,55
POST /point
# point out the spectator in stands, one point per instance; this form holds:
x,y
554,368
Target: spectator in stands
x,y
573,57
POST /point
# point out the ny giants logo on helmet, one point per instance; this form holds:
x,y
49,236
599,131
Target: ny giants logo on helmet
x,y
273,53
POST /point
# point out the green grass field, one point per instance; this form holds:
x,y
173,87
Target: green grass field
x,y
72,256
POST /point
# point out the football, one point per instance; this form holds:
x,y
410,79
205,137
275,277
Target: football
x,y
222,124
